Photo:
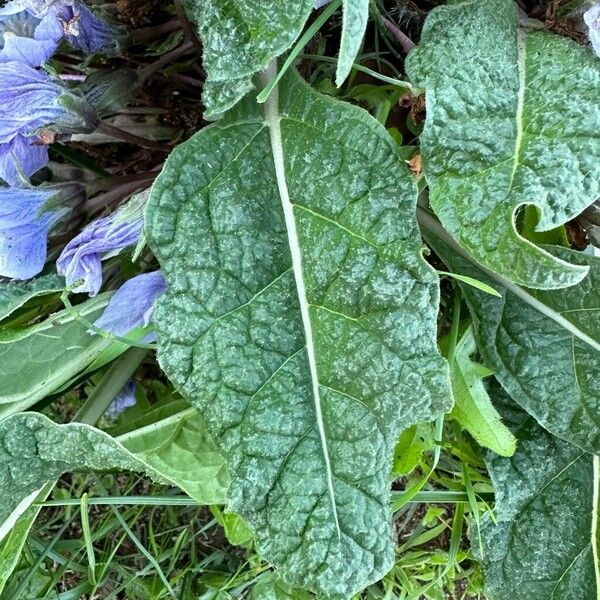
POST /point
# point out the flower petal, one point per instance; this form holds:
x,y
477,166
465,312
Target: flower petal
x,y
81,257
132,304
21,155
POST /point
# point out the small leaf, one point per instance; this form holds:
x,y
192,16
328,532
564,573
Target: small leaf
x,y
546,537
180,448
472,406
300,320
411,445
356,15
543,346
513,119
236,529
240,39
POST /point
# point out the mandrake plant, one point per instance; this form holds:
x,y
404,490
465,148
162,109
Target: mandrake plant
x,y
284,261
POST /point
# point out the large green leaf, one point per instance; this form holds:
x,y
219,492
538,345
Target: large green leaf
x,y
240,39
300,320
544,346
545,543
34,451
13,294
513,119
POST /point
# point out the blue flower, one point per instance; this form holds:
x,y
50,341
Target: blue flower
x,y
71,19
26,39
82,256
84,30
26,218
132,305
125,399
592,20
31,100
21,157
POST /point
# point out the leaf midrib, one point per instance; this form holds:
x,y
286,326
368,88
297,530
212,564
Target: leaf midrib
x,y
273,121
428,222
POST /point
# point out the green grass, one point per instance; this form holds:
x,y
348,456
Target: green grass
x,y
121,536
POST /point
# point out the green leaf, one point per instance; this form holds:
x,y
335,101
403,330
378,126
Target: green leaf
x,y
35,451
40,359
240,39
274,588
356,15
543,346
300,321
180,448
13,294
545,543
472,406
513,119
236,529
12,545
411,445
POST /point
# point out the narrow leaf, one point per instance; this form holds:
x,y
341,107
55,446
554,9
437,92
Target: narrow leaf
x,y
472,406
300,320
356,15
545,543
543,346
513,118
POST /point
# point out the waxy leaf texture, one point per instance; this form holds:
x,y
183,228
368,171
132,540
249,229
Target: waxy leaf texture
x,y
545,543
543,345
300,320
513,118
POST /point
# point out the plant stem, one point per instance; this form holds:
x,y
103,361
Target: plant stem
x,y
187,26
404,41
165,60
130,138
143,34
110,385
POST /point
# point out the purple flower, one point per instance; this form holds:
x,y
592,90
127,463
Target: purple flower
x,y
82,256
83,29
132,305
21,157
592,20
26,218
25,39
71,19
31,101
125,399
